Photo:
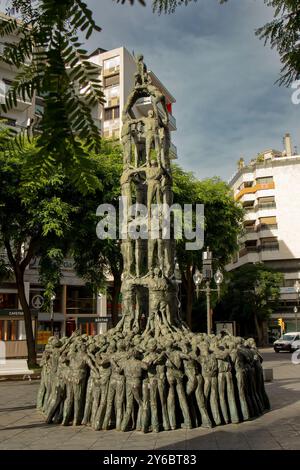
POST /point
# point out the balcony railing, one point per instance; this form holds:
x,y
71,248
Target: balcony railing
x,y
267,227
246,250
111,71
268,205
173,151
4,89
269,247
254,189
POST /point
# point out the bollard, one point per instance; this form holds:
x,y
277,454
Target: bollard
x,y
268,375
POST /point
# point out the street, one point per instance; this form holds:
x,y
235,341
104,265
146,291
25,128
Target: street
x,y
22,427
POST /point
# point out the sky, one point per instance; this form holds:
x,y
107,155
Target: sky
x,y
221,74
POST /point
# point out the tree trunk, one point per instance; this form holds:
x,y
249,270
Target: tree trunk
x,y
27,319
115,298
259,331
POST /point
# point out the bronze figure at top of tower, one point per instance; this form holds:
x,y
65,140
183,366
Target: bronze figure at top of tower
x,y
145,137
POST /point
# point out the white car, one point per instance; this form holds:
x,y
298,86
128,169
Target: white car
x,y
287,342
295,345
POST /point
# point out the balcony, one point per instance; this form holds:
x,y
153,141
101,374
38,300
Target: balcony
x,y
269,205
274,246
248,249
111,71
267,227
172,123
254,189
112,102
173,151
21,104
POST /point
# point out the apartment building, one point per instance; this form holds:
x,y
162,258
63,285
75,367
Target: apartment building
x,y
117,68
269,191
75,306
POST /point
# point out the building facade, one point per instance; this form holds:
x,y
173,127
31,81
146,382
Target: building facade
x,y
269,191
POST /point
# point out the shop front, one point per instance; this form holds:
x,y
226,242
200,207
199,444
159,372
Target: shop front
x,y
44,330
12,332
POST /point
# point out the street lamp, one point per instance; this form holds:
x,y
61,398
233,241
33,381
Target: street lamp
x,y
218,277
207,275
297,289
177,274
197,278
52,298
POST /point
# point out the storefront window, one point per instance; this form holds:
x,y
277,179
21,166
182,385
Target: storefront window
x,y
80,300
13,330
8,300
89,328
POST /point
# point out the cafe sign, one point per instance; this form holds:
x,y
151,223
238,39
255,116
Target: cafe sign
x,y
16,313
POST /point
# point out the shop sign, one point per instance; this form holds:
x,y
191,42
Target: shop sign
x,y
16,313
102,319
93,320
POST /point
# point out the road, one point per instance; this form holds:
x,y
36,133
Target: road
x,y
22,427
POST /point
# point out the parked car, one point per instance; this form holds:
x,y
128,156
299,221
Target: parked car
x,y
287,342
295,345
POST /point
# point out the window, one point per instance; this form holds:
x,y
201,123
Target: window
x,y
8,301
112,96
12,330
112,64
80,300
269,244
265,200
111,113
267,222
265,180
111,81
245,184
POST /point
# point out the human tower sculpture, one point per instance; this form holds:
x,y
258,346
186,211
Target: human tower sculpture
x,y
150,372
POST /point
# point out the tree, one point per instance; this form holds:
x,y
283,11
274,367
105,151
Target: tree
x,y
34,216
95,258
52,64
283,33
46,217
222,217
169,6
253,291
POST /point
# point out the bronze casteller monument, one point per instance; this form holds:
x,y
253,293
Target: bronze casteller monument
x,y
150,372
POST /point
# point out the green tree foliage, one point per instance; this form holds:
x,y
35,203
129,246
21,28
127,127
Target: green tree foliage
x,y
45,217
52,63
169,6
283,34
34,215
253,291
95,258
222,217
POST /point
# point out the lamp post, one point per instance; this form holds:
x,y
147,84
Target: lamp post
x,y
206,275
178,280
296,308
52,298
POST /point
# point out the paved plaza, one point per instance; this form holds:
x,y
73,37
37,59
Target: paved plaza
x,y
22,427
